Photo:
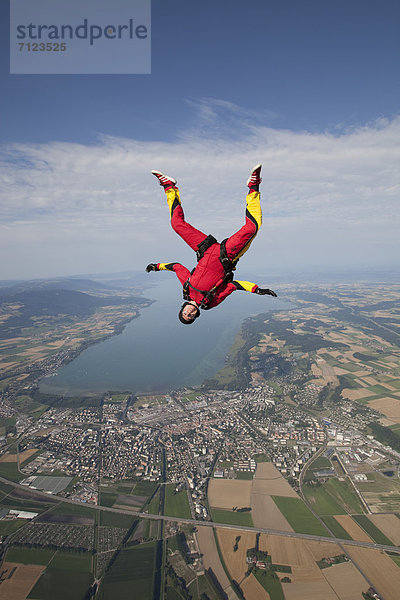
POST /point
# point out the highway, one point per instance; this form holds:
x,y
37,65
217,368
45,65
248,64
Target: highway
x,y
144,515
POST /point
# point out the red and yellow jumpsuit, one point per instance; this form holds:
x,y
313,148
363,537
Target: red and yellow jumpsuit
x,y
209,271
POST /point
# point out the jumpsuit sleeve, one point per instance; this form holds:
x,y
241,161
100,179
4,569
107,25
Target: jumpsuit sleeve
x,y
232,287
247,286
180,271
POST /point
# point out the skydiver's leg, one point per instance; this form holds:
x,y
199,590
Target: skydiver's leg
x,y
192,236
240,241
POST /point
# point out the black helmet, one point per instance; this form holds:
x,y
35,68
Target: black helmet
x,y
185,321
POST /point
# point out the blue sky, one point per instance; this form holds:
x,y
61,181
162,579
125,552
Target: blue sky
x,y
309,88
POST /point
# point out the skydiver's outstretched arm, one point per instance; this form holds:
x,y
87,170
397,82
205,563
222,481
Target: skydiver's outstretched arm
x,y
246,286
180,271
253,287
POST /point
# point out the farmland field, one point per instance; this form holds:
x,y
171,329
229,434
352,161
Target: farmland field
x,y
389,525
60,584
343,492
73,509
235,560
271,583
227,493
321,501
7,527
381,493
131,575
383,573
352,528
18,580
337,530
176,504
29,556
372,530
111,519
71,561
299,516
211,558
232,518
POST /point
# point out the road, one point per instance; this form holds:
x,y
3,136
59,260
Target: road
x,y
144,515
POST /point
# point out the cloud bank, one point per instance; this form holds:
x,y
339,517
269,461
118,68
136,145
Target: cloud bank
x,y
329,199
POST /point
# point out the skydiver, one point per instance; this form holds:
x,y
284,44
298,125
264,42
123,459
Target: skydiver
x,y
211,281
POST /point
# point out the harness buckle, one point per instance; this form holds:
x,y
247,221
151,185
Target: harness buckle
x,y
205,245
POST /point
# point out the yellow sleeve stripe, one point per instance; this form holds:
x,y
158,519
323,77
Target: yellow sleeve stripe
x,y
245,285
166,266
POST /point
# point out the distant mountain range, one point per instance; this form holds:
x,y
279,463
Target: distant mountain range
x,y
83,283
78,285
50,298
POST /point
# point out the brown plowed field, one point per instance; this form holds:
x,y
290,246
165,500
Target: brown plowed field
x,y
321,550
357,394
6,458
235,561
208,548
383,573
388,406
288,551
254,590
346,580
352,528
227,493
266,514
318,590
268,480
389,525
27,454
21,581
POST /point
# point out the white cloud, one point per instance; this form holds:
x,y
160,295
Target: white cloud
x,y
327,198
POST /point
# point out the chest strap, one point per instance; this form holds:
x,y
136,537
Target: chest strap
x,y
205,245
208,295
228,264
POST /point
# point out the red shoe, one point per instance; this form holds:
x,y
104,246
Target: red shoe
x,y
254,178
166,181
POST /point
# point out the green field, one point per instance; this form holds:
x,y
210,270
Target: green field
x,y
33,503
107,499
372,530
176,504
26,404
337,530
112,519
344,493
379,483
203,585
72,561
244,475
6,488
395,558
131,575
145,488
73,509
9,470
232,518
271,583
320,463
321,501
60,584
7,527
299,516
117,398
153,506
29,556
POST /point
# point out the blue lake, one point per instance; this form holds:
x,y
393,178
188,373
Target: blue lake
x,y
155,352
